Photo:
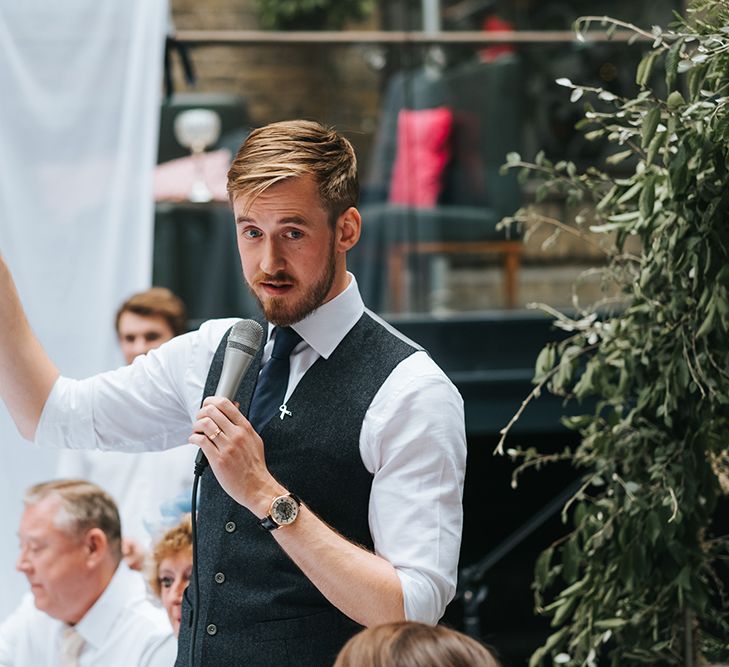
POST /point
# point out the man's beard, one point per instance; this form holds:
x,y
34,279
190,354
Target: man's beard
x,y
280,311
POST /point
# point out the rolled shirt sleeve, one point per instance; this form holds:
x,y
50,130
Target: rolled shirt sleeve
x,y
413,441
146,406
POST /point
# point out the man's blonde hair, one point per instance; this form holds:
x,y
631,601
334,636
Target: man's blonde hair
x,y
296,148
83,506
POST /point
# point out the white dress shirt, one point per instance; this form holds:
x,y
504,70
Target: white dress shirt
x,y
122,629
412,439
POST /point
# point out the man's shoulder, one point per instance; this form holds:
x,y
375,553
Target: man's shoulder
x,y
389,330
143,613
143,631
416,367
136,612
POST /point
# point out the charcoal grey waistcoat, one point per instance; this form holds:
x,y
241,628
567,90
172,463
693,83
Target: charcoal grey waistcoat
x,y
256,607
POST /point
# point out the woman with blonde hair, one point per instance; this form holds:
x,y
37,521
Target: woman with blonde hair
x,y
410,644
171,567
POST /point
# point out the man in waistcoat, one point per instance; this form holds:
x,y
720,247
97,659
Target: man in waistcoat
x,y
336,504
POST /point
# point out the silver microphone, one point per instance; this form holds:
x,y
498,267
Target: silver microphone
x,y
244,341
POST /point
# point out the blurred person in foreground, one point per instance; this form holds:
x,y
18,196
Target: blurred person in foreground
x,y
409,644
170,568
333,497
85,608
144,482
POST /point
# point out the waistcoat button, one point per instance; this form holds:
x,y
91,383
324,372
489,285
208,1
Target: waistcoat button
x,y
230,526
212,629
219,577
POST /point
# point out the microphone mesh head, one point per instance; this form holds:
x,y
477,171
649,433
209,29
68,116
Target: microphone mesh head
x,y
247,333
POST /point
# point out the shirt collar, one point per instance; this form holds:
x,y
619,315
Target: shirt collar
x,y
324,328
96,625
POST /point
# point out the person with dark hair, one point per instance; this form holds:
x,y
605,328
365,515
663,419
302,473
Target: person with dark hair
x,y
85,606
144,483
170,568
332,499
409,644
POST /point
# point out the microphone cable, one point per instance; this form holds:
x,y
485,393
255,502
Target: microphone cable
x,y
201,463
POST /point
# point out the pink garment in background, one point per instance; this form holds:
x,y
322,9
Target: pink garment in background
x,y
423,151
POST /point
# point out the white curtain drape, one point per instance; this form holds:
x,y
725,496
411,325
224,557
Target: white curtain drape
x,y
79,112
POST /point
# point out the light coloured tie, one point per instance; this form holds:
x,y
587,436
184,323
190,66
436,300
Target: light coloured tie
x,y
71,644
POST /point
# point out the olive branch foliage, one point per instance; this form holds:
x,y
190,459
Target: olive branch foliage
x,y
638,580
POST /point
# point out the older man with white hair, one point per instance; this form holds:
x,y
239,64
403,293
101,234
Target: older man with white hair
x,y
87,608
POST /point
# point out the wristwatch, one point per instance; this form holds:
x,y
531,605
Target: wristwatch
x,y
283,512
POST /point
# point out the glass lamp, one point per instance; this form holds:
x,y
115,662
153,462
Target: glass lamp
x,y
197,129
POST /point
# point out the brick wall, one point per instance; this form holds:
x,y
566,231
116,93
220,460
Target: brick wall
x,y
332,84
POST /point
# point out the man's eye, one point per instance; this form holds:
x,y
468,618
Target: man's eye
x,y
152,337
251,233
295,234
165,582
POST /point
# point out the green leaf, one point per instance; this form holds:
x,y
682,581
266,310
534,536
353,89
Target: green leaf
x,y
656,144
672,59
617,158
653,527
678,170
564,611
610,623
675,101
708,323
545,362
683,581
537,657
647,197
650,123
541,569
645,66
554,640
574,588
630,193
571,559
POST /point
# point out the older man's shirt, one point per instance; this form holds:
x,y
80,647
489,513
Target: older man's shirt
x,y
412,439
122,629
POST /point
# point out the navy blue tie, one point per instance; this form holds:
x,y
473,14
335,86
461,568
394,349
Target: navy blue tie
x,y
270,391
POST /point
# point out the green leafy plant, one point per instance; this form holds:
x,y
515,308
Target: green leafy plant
x,y
638,579
311,14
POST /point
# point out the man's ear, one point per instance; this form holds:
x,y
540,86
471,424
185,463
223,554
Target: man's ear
x,y
97,546
348,229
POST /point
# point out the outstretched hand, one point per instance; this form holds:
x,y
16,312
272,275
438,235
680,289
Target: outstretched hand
x,y
235,453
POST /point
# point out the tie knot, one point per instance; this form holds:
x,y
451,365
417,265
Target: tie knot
x,y
285,341
71,645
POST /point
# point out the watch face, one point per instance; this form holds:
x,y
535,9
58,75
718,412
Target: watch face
x,y
284,510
